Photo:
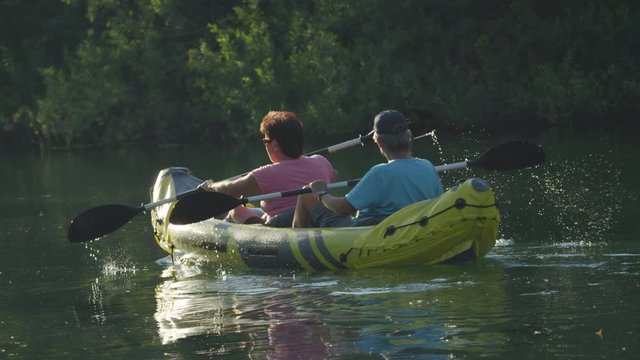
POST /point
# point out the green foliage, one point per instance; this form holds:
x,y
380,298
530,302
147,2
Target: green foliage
x,y
104,72
318,83
34,35
234,77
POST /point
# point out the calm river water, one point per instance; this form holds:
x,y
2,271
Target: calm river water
x,y
563,281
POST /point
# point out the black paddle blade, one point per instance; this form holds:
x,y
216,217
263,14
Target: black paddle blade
x,y
510,156
100,221
202,206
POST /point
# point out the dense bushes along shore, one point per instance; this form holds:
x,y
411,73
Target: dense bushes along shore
x,y
116,72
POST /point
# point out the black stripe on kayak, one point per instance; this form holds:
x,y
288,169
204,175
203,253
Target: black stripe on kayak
x,y
304,244
325,252
272,255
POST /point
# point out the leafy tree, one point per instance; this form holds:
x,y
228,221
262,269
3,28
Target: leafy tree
x,y
34,35
110,72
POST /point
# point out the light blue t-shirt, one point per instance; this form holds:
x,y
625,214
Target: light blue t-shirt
x,y
387,188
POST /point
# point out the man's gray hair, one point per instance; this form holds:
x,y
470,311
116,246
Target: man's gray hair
x,y
395,142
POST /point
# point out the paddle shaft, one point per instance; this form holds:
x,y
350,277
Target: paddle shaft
x,y
278,195
453,166
357,141
170,199
343,145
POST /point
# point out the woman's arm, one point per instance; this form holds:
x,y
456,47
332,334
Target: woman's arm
x,y
243,186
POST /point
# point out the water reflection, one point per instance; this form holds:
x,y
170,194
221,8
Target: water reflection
x,y
449,310
176,309
261,310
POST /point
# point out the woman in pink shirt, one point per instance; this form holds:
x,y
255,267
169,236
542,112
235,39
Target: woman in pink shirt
x,y
289,169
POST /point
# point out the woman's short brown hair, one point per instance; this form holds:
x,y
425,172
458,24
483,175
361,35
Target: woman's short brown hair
x,y
286,128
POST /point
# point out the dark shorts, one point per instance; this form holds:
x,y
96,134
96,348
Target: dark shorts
x,y
282,220
320,216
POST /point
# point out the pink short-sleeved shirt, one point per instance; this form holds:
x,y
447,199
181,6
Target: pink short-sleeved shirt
x,y
290,174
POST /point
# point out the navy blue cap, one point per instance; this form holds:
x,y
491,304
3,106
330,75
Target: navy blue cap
x,y
390,122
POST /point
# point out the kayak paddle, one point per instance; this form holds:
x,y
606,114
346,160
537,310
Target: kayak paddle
x,y
507,156
503,157
102,220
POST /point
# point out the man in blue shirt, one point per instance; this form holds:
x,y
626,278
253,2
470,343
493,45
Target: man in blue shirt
x,y
384,189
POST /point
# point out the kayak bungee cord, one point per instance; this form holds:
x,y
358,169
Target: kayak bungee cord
x,y
424,221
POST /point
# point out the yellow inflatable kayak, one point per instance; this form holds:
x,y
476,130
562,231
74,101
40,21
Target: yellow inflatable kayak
x,y
461,224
